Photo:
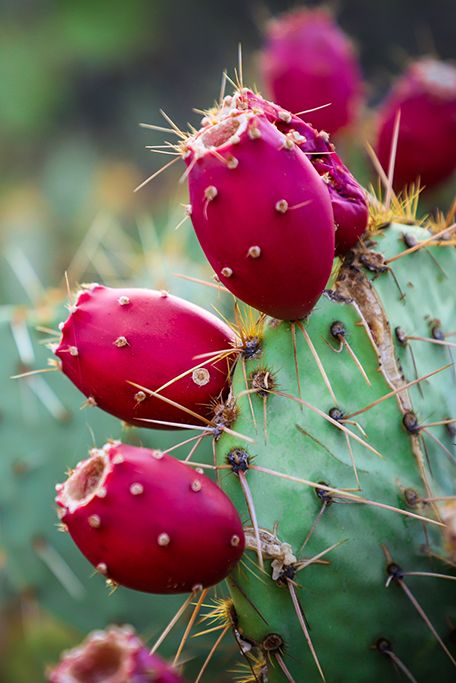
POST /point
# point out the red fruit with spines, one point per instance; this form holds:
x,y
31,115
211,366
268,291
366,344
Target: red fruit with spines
x,y
115,655
307,62
426,150
150,522
261,213
116,336
348,198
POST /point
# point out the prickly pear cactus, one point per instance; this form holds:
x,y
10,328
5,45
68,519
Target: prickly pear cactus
x,y
348,572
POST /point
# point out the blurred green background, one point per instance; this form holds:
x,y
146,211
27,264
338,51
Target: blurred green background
x,y
76,78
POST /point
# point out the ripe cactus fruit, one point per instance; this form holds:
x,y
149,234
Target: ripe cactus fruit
x,y
308,62
115,339
115,655
348,198
384,598
425,95
148,521
261,213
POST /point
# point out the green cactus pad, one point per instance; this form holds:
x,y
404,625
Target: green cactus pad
x,y
355,602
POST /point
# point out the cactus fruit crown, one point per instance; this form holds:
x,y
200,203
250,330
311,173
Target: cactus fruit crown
x,y
116,655
339,453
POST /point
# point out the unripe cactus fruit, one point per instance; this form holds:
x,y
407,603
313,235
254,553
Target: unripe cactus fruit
x,y
115,655
425,95
309,62
115,339
148,521
261,214
348,198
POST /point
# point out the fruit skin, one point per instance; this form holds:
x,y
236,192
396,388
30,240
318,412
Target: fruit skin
x,y
346,603
261,214
114,336
150,522
426,97
348,198
115,655
307,62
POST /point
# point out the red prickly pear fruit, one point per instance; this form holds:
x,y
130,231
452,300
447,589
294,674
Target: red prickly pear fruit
x,y
307,62
426,150
261,214
117,336
115,655
150,522
348,198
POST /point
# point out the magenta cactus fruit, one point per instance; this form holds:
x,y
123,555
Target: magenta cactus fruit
x,y
348,198
116,337
148,521
308,62
115,655
261,213
426,97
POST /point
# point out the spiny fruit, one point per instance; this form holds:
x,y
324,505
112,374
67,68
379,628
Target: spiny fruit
x,y
348,198
261,213
115,655
308,62
148,521
425,96
119,343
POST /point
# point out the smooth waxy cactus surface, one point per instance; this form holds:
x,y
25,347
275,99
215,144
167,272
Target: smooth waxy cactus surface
x,y
118,344
147,521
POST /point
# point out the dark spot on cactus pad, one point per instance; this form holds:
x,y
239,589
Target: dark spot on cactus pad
x,y
411,497
410,422
336,414
239,460
325,496
437,331
224,414
262,381
374,262
337,329
451,427
251,347
383,645
273,643
400,335
394,571
409,240
288,572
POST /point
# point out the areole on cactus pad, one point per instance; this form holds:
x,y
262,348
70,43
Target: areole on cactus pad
x,y
150,522
115,655
146,356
